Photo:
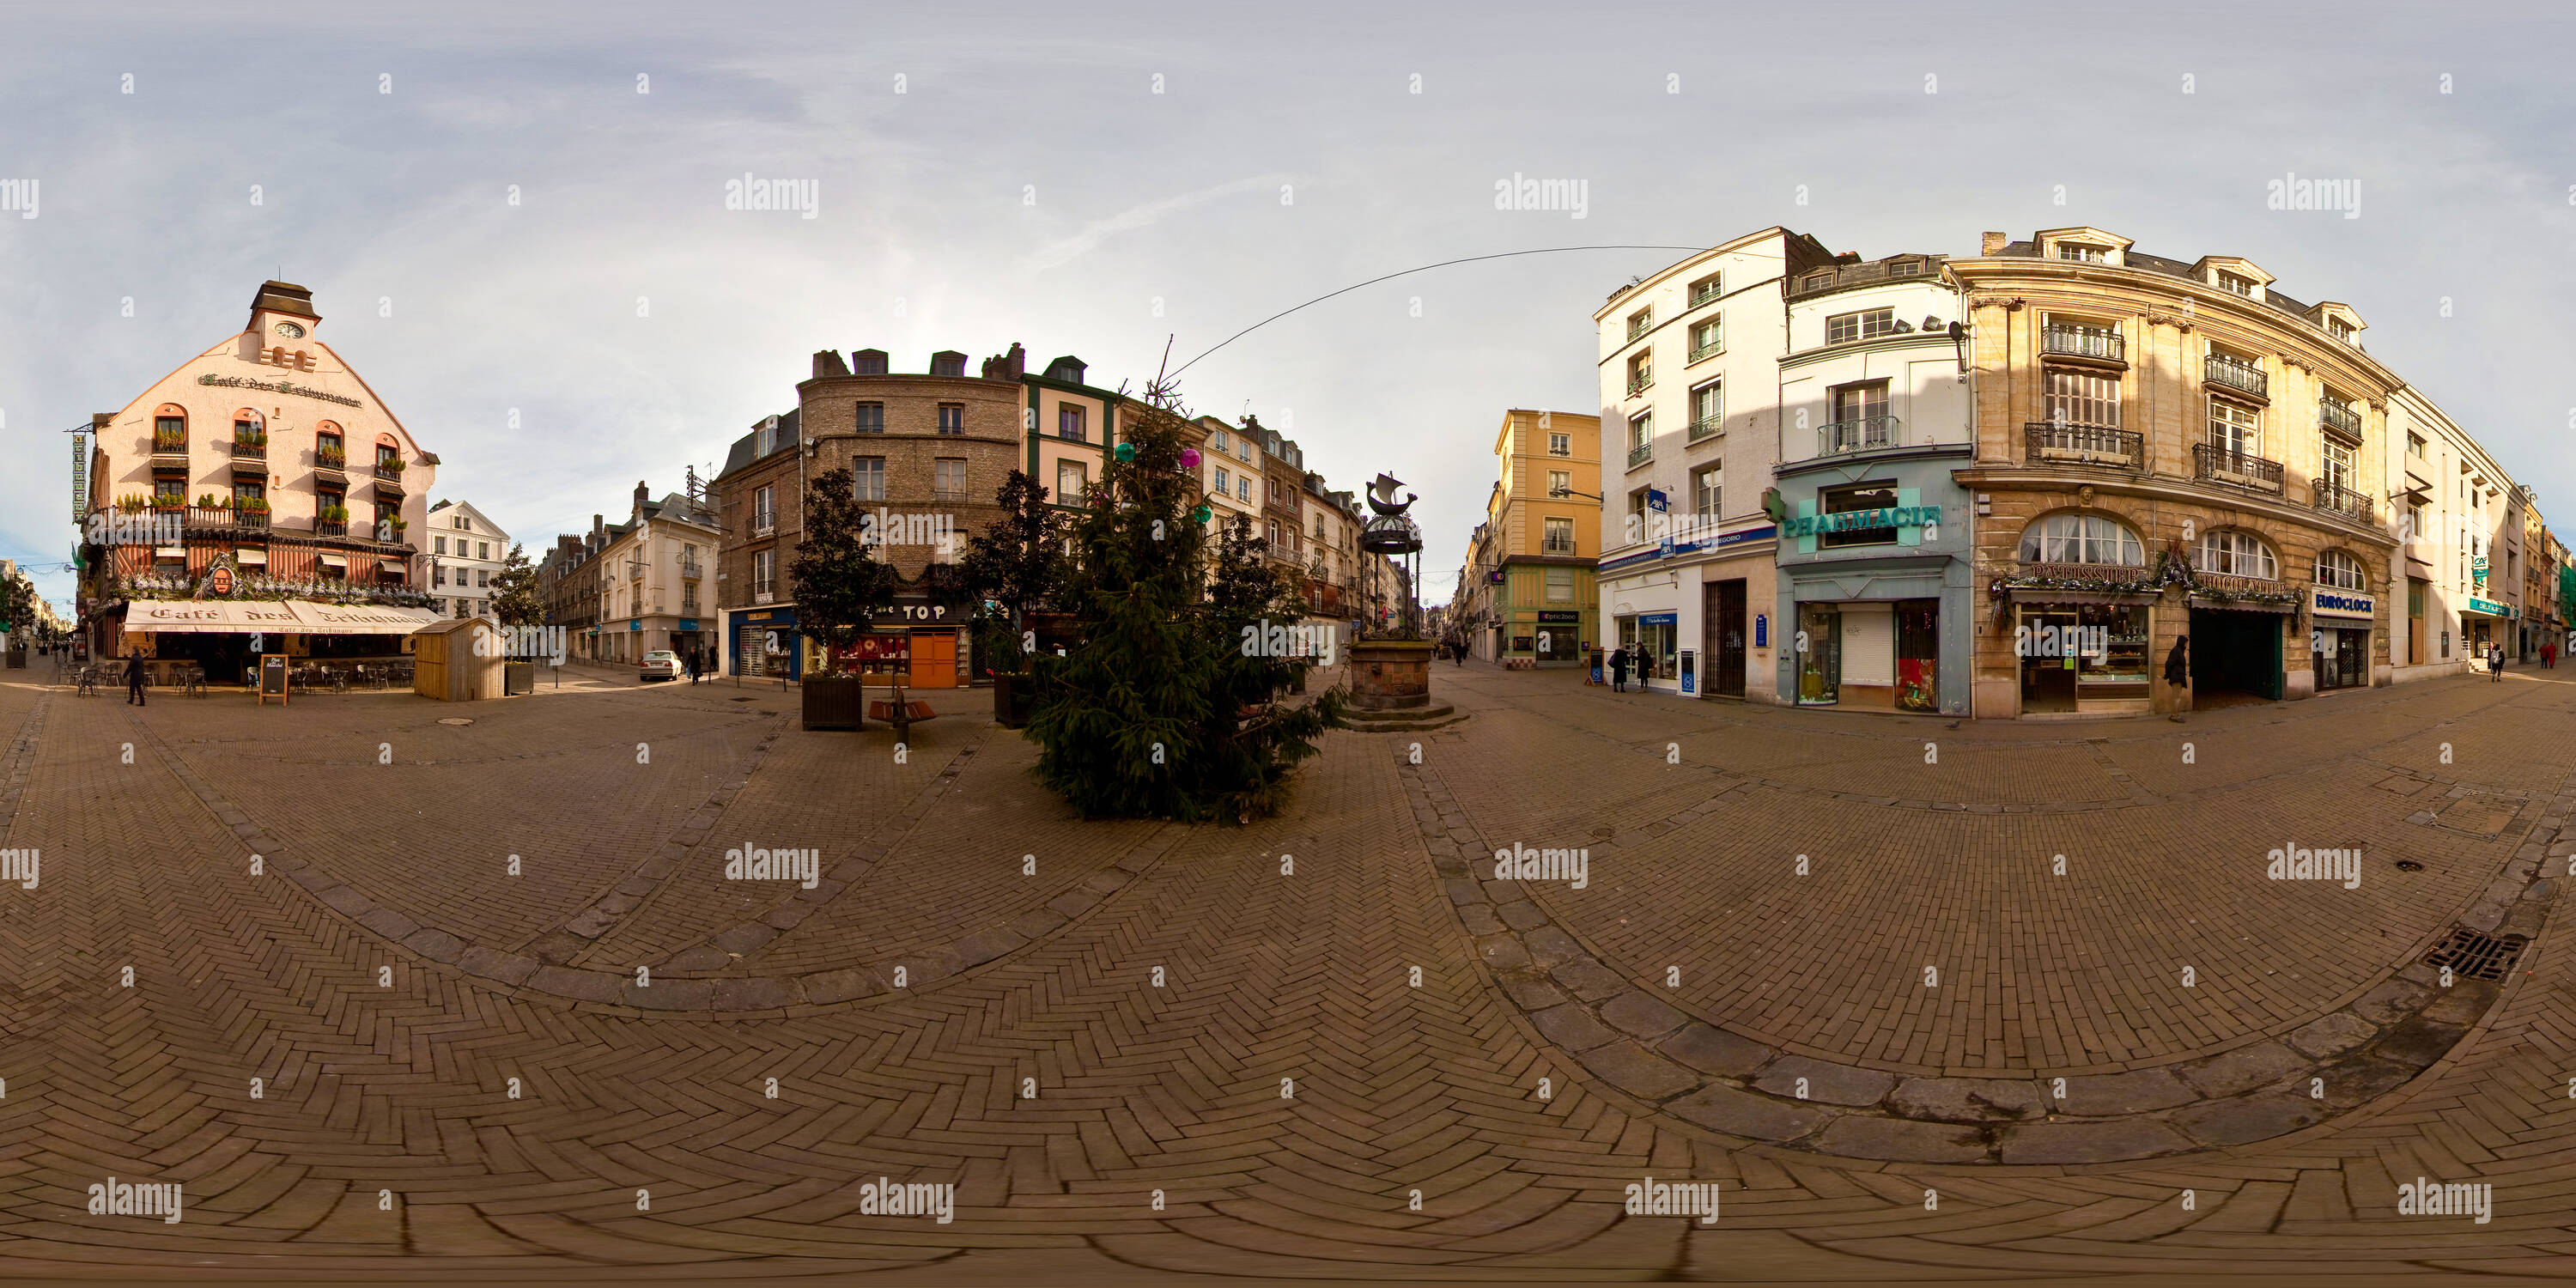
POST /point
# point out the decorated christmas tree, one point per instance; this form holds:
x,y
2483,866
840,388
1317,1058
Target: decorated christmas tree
x,y
839,585
1159,712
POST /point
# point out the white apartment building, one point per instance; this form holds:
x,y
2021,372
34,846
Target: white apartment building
x,y
466,551
654,580
2460,556
1690,428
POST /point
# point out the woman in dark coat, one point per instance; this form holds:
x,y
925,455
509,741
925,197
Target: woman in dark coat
x,y
1619,670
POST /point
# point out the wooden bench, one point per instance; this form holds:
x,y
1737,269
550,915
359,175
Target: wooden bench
x,y
902,715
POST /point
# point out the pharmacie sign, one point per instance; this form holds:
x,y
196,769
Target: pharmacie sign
x,y
1889,516
2341,603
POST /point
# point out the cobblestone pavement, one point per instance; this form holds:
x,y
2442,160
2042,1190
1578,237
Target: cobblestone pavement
x,y
485,1004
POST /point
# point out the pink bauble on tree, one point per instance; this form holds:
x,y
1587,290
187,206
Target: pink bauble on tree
x,y
1189,458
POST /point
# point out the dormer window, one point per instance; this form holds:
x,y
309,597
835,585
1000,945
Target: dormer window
x,y
2084,252
1906,268
2237,282
868,362
2339,329
1817,281
948,364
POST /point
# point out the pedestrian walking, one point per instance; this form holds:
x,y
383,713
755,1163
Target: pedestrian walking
x,y
693,663
2495,663
1458,652
2549,656
1619,670
134,681
2178,672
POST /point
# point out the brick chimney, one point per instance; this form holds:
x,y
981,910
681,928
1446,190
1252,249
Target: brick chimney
x,y
1994,243
642,497
828,363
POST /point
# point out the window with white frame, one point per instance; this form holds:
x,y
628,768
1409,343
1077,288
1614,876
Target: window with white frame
x,y
1708,408
764,512
1071,480
1559,482
1843,328
2340,570
1641,430
2084,252
2083,398
1224,482
2237,282
2235,428
1707,338
1560,444
2338,474
2081,538
1707,491
2232,553
1560,537
764,571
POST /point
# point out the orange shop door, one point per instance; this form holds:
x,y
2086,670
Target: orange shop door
x,y
934,660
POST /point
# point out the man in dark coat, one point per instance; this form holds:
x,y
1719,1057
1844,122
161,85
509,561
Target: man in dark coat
x,y
2178,670
1619,670
134,681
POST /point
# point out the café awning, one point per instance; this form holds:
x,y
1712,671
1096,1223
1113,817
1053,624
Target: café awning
x,y
291,617
359,619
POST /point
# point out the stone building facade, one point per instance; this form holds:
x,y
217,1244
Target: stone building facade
x,y
2169,449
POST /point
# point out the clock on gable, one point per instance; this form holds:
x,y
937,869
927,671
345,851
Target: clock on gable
x,y
290,330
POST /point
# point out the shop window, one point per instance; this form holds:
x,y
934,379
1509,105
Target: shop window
x,y
1859,497
2231,553
2081,538
2339,570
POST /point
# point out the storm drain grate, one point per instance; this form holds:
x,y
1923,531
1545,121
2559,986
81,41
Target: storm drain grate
x,y
2475,955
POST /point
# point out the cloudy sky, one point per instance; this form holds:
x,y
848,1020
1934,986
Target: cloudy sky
x,y
1099,179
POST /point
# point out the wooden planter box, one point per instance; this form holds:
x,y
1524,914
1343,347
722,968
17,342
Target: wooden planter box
x,y
835,702
1014,700
518,678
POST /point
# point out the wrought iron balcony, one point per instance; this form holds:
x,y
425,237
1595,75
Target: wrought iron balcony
x,y
1640,454
250,449
692,568
2356,506
330,527
389,472
2215,464
1860,434
2339,418
2085,342
1640,380
2059,442
1699,351
169,444
2243,377
1705,426
1703,295
331,462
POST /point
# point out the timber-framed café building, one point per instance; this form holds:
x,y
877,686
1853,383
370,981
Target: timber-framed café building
x,y
259,494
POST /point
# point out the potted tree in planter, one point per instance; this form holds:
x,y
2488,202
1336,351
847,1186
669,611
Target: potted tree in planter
x,y
839,587
514,601
1007,573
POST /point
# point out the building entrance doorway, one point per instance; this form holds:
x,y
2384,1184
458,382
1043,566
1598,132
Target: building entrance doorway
x,y
1722,634
2234,654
